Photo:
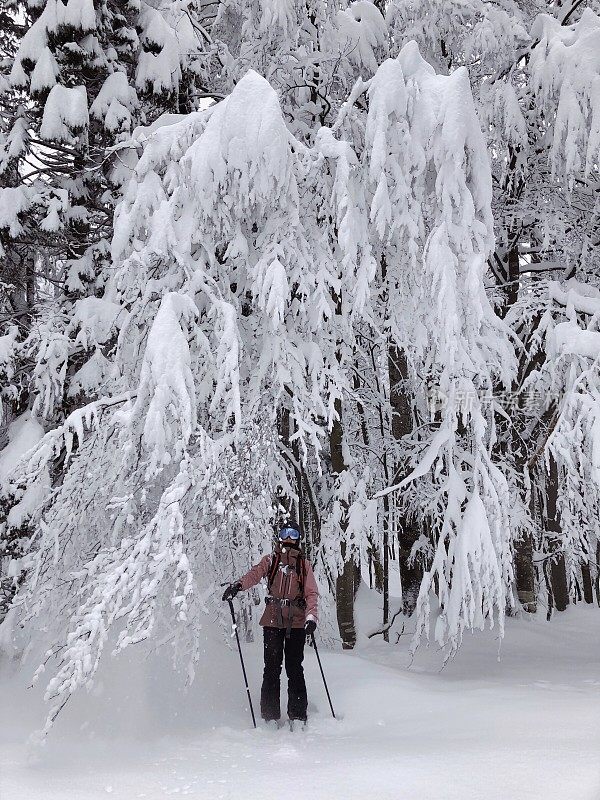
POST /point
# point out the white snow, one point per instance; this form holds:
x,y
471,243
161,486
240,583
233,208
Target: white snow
x,y
33,498
565,70
80,14
128,153
45,72
362,31
90,377
161,71
576,296
8,342
95,319
524,725
56,205
13,201
23,434
114,102
32,45
65,113
277,14
166,383
570,339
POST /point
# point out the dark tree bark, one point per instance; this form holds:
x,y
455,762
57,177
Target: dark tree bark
x,y
588,589
510,269
376,569
558,580
345,584
386,566
558,572
284,431
525,572
411,573
525,575
303,507
597,581
375,566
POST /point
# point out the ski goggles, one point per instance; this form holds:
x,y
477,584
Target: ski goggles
x,y
289,533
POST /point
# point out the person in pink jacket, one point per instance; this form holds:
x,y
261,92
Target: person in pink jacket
x,y
289,616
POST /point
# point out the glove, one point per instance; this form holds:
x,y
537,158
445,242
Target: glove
x,y
310,627
231,591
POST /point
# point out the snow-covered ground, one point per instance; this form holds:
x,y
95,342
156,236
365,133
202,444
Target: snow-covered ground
x,y
524,726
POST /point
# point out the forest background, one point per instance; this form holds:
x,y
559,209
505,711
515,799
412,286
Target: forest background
x,y
335,260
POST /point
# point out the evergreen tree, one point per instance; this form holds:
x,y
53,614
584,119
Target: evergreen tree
x,y
79,77
76,79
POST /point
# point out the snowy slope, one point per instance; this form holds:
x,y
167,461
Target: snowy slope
x,y
526,725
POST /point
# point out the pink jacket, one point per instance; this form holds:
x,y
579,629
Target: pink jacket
x,y
285,585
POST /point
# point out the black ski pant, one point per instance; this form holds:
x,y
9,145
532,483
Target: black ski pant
x,y
276,646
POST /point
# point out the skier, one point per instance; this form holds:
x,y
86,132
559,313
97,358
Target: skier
x,y
289,617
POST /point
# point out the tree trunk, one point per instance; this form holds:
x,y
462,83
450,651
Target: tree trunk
x,y
508,260
346,580
558,580
588,589
524,567
376,568
524,546
344,587
386,566
302,507
597,583
525,573
284,429
411,573
558,571
513,272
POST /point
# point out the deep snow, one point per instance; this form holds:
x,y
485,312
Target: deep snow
x,y
524,726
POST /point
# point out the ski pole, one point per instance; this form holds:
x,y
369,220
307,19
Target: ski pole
x,y
314,644
241,659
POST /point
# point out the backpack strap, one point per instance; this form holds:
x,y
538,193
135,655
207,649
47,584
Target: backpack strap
x,y
273,570
300,572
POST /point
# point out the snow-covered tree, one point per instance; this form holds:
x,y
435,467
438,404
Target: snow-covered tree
x,y
79,78
76,79
243,267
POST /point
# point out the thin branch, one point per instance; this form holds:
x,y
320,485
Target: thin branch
x,y
387,626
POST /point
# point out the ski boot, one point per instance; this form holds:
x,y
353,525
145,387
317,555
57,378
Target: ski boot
x,y
297,724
